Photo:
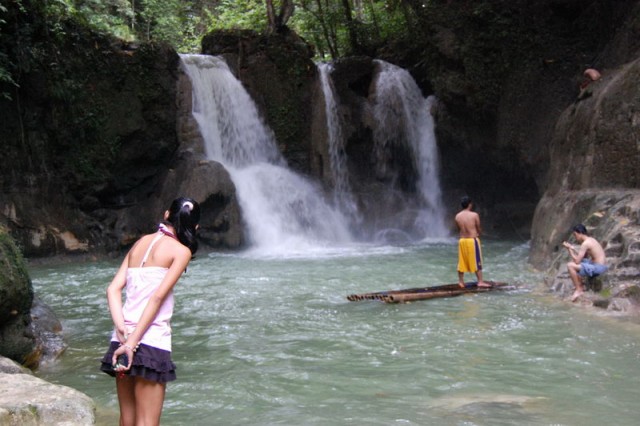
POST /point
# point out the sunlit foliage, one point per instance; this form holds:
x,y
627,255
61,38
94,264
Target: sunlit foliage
x,y
333,27
238,14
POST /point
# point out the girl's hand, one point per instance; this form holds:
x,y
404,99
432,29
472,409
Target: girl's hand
x,y
122,350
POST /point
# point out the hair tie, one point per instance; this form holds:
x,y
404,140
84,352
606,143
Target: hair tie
x,y
188,204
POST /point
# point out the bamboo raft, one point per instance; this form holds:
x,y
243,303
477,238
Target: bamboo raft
x,y
423,293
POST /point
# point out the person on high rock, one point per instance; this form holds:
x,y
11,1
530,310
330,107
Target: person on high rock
x,y
139,355
469,248
588,261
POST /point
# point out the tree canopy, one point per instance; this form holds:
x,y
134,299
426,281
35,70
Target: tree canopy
x,y
333,27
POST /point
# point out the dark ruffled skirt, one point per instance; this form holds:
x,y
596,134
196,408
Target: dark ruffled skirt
x,y
148,362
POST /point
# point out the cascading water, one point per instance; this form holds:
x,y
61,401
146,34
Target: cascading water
x,y
343,197
283,211
403,115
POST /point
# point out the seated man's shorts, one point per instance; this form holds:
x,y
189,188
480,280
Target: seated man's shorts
x,y
590,269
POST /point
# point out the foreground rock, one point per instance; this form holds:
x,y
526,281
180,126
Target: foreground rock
x,y
26,400
30,332
16,295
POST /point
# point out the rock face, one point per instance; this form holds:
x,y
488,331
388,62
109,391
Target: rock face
x,y
595,144
595,179
613,218
26,400
91,138
87,132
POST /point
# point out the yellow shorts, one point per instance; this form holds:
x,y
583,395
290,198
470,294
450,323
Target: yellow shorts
x,y
469,255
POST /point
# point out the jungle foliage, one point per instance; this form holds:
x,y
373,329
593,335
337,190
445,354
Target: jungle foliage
x,y
334,27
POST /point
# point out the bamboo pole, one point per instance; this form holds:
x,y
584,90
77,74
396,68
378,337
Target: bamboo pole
x,y
411,294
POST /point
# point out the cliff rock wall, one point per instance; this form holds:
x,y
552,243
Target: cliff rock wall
x,y
86,131
90,141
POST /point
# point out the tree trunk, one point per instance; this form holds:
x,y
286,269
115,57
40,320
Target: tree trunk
x,y
331,43
353,37
271,16
279,21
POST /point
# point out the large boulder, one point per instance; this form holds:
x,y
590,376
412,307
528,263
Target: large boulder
x,y
207,182
26,400
47,330
210,184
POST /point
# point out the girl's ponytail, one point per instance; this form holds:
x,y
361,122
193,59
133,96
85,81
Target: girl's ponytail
x,y
184,216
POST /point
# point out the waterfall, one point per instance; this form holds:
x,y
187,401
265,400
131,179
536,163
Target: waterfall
x,y
232,129
403,116
342,193
283,211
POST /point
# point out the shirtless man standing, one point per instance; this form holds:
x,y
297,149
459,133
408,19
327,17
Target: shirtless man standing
x,y
469,249
589,261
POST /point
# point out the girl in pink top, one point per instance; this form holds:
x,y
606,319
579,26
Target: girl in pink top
x,y
140,352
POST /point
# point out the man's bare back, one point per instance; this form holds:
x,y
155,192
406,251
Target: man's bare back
x,y
468,223
593,250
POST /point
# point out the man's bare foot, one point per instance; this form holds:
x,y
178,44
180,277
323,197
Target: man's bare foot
x,y
462,285
576,294
484,285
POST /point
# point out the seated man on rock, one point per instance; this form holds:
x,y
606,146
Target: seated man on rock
x,y
588,261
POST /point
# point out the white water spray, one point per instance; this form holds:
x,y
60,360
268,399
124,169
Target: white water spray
x,y
343,197
403,115
283,211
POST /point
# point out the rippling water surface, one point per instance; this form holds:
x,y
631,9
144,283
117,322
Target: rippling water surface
x,y
263,341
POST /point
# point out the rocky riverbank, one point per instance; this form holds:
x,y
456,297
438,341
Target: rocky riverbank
x,y
26,400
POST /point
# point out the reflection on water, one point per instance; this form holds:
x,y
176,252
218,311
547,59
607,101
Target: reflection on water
x,y
262,340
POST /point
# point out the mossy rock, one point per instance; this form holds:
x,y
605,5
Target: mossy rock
x,y
632,292
16,297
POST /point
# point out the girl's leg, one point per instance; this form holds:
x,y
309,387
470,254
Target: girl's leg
x,y
149,397
127,400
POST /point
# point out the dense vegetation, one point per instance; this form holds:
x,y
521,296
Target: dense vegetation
x,y
334,27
